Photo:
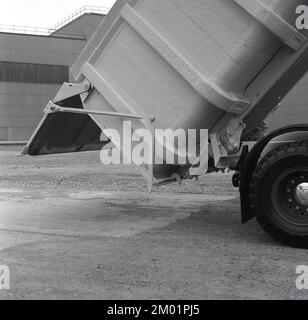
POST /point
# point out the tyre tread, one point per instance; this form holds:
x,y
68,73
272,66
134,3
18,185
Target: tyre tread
x,y
293,148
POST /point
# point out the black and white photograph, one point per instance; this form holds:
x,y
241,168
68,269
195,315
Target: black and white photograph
x,y
154,151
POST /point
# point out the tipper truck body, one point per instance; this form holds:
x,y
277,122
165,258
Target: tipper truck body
x,y
216,65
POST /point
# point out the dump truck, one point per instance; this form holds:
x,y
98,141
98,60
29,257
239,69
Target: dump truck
x,y
216,65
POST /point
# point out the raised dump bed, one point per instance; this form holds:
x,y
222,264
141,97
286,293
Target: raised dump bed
x,y
187,64
216,65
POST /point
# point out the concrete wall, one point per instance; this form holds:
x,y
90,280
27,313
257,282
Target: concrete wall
x,y
39,49
21,104
83,26
21,108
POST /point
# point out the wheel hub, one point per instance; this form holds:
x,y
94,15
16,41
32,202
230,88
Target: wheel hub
x,y
301,194
295,193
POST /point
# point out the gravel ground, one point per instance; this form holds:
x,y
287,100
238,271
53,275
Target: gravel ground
x,y
71,228
85,172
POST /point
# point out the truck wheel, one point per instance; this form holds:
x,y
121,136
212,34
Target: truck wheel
x,y
279,194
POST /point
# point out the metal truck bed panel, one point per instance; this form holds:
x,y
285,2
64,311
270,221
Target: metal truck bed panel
x,y
182,61
195,64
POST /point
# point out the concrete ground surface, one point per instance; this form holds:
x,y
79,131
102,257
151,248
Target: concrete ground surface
x,y
71,228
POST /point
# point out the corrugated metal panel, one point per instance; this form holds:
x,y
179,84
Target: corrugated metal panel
x,y
33,73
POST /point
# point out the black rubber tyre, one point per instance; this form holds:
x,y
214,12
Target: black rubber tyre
x,y
274,195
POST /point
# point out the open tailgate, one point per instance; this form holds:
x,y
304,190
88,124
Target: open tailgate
x,y
65,133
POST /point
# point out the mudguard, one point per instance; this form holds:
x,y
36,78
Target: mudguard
x,y
251,161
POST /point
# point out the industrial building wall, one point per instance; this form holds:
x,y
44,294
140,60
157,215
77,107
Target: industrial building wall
x,y
83,26
293,108
32,69
21,108
39,49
